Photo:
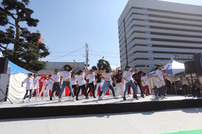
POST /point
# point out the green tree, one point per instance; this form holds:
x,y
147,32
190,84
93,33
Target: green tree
x,y
103,64
17,43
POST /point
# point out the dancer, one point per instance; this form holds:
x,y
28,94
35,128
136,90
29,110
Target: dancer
x,y
145,83
107,84
36,85
73,82
90,82
81,83
98,81
160,83
127,76
29,86
164,76
55,78
65,76
49,86
119,86
44,91
137,79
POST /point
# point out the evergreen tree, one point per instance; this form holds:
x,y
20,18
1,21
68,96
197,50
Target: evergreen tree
x,y
103,64
17,43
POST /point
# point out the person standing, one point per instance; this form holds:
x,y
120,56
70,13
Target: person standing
x,y
127,76
107,84
145,83
91,79
159,82
98,81
73,82
44,91
81,84
164,76
36,85
119,86
49,85
29,86
65,76
185,84
55,77
137,79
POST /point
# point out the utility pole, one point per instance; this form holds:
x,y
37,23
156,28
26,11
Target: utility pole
x,y
87,51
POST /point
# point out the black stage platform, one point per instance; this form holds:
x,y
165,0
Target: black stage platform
x,y
33,110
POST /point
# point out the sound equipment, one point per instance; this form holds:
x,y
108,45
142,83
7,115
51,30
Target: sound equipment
x,y
198,63
190,67
3,65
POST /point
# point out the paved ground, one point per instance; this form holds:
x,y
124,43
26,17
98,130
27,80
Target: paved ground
x,y
127,123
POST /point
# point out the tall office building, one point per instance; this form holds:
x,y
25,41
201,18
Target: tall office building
x,y
152,31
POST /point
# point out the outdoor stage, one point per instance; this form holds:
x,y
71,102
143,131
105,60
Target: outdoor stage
x,y
47,108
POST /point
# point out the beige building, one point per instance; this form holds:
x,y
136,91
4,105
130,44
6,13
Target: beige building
x,y
152,31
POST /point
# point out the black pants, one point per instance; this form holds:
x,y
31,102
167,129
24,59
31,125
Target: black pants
x,y
91,87
140,86
83,87
30,94
75,89
110,87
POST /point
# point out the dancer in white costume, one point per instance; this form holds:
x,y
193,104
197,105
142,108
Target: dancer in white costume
x,y
29,86
44,91
49,86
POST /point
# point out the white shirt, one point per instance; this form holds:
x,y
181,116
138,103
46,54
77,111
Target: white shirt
x,y
159,73
73,80
50,82
29,83
80,79
66,75
36,82
144,81
55,77
45,82
107,76
91,77
127,75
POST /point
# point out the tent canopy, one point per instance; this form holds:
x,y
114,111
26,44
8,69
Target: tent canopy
x,y
17,69
175,68
14,69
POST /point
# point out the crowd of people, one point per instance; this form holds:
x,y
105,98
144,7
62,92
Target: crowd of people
x,y
91,81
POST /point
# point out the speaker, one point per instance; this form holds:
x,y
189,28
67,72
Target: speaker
x,y
190,67
3,65
198,63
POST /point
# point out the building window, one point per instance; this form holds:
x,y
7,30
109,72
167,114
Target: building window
x,y
149,45
151,58
150,52
148,38
147,26
147,32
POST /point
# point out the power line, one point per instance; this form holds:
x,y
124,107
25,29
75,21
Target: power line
x,y
68,54
103,52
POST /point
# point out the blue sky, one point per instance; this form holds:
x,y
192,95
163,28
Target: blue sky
x,y
68,25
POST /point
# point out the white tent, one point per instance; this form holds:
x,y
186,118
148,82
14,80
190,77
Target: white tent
x,y
14,76
175,68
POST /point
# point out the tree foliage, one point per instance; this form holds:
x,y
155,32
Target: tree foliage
x,y
103,64
17,43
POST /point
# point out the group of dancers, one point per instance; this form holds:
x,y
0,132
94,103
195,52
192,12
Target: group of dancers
x,y
93,80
